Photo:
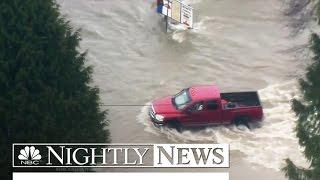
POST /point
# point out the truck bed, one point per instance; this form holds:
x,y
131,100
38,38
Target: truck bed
x,y
250,98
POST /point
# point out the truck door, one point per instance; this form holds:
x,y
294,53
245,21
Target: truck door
x,y
212,112
196,114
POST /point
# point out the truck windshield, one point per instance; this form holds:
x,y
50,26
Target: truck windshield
x,y
181,99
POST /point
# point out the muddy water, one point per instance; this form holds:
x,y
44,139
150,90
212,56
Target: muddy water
x,y
237,45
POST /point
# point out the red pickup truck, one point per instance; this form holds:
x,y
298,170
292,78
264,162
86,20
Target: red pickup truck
x,y
205,105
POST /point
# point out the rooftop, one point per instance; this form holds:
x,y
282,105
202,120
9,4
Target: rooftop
x,y
204,92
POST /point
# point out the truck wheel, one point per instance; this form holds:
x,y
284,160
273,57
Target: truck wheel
x,y
243,121
176,125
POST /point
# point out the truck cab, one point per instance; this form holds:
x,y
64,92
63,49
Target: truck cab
x,y
205,105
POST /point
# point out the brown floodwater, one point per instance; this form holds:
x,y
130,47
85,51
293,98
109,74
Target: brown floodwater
x,y
237,45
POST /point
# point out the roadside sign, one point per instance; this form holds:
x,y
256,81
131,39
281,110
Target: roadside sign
x,y
187,15
177,11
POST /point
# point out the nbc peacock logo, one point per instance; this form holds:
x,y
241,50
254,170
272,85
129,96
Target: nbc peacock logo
x,y
29,156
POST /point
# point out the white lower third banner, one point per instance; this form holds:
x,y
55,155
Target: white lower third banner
x,y
131,176
41,155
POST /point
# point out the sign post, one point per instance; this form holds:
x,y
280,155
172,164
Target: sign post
x,y
167,23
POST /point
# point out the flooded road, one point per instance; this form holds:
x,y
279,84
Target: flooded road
x,y
237,45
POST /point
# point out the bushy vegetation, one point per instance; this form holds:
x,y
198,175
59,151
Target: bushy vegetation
x,y
44,83
308,125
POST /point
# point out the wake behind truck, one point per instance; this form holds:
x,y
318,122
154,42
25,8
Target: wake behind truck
x,y
205,105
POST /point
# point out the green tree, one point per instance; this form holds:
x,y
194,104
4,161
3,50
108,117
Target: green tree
x,y
308,125
45,94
